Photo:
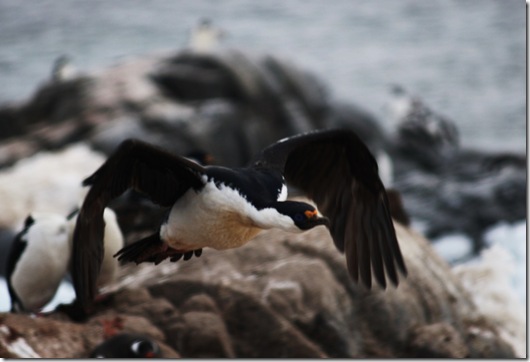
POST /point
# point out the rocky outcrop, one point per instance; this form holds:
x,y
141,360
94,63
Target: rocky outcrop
x,y
183,101
446,186
282,295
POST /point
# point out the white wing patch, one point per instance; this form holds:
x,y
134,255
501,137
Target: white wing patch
x,y
283,193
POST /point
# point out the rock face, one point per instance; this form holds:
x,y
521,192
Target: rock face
x,y
183,101
446,186
282,295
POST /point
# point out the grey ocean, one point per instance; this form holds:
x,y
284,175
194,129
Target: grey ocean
x,y
465,58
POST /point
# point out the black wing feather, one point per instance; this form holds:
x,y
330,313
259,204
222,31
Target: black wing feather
x,y
161,176
337,171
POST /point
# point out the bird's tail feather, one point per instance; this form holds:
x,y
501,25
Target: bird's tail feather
x,y
141,250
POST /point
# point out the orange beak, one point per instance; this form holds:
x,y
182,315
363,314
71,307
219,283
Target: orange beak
x,y
311,214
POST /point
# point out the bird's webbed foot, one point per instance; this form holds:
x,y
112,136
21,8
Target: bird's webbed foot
x,y
173,255
186,256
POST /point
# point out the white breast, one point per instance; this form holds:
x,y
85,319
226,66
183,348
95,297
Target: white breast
x,y
113,241
44,263
219,218
46,258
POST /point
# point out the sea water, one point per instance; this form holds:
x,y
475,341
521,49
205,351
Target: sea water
x,y
465,58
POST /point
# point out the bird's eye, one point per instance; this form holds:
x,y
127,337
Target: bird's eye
x,y
299,217
143,348
137,347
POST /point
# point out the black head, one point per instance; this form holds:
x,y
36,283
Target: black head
x,y
127,346
144,348
304,216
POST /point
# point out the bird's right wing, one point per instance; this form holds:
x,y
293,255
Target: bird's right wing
x,y
136,165
336,170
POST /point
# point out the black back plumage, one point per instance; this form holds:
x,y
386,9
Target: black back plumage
x,y
15,252
337,171
259,187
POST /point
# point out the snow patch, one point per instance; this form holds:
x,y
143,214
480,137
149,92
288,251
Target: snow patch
x,y
488,280
453,247
46,182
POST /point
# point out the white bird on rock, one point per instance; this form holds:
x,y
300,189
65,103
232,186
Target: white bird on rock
x,y
40,258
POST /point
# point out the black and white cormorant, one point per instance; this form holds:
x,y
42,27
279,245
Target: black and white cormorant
x,y
224,208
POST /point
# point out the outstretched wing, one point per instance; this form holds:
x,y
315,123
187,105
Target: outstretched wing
x,y
136,165
337,171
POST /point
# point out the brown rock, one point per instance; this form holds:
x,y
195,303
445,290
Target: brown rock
x,y
438,340
282,295
26,337
201,335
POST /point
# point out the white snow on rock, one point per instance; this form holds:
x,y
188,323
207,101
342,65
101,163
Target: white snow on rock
x,y
46,182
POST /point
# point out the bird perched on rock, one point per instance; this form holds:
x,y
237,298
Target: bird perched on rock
x,y
205,36
63,69
126,345
38,261
40,257
224,208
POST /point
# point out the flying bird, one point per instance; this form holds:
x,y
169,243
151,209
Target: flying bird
x,y
223,208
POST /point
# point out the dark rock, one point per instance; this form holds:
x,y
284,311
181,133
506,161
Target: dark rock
x,y
481,343
201,335
196,82
439,340
184,101
448,187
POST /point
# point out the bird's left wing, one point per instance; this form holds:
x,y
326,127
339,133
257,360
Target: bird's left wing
x,y
337,171
136,165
